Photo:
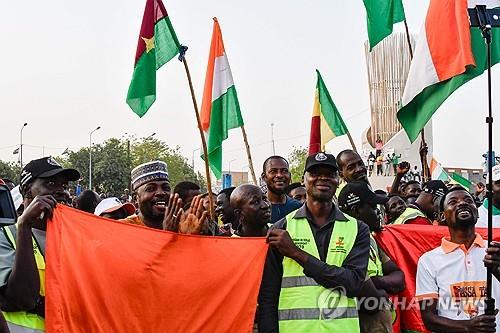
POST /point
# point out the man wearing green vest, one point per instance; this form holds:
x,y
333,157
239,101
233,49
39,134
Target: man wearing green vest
x,y
432,191
317,262
398,212
383,277
22,246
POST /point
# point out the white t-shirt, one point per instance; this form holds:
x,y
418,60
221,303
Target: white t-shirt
x,y
457,277
482,221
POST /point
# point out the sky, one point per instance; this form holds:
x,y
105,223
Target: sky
x,y
65,68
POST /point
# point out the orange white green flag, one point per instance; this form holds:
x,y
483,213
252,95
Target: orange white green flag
x,y
448,54
326,122
437,171
220,109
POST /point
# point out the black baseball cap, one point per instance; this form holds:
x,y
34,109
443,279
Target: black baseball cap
x,y
321,158
435,187
358,192
46,167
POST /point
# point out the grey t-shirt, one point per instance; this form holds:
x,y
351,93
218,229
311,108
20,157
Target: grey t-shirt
x,y
8,253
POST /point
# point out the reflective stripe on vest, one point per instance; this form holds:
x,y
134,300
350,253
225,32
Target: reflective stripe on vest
x,y
374,263
306,306
408,214
21,321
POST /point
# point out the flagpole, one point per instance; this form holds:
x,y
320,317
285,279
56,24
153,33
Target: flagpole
x,y
423,157
203,141
352,142
249,155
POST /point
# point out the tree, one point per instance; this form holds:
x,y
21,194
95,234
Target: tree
x,y
113,160
150,149
10,170
297,159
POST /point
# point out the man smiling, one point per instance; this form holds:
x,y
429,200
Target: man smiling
x,y
151,186
451,279
314,249
277,176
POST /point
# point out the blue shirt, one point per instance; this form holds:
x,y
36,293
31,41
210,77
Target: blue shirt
x,y
279,211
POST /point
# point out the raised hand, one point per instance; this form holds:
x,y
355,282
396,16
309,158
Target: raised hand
x,y
403,168
193,220
173,213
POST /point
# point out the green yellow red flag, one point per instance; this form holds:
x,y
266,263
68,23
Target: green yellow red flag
x,y
326,121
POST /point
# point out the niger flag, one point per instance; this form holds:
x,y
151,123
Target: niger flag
x,y
326,122
448,54
220,109
108,276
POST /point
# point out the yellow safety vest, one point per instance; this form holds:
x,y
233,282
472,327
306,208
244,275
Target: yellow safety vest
x,y
408,214
374,263
22,321
306,306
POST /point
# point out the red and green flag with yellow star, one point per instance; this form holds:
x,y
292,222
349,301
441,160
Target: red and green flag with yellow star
x,y
157,45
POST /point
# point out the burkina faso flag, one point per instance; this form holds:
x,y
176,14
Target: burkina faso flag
x,y
157,45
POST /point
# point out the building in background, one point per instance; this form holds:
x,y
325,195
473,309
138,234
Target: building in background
x,y
237,178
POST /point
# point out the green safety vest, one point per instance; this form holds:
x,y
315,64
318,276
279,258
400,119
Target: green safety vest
x,y
408,214
306,306
374,263
22,321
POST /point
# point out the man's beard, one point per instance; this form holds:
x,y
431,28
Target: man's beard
x,y
147,211
321,197
276,191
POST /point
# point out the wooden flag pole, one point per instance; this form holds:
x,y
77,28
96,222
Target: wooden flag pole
x,y
352,142
408,39
423,157
249,155
203,141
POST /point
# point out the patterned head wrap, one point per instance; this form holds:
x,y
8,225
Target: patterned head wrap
x,y
148,172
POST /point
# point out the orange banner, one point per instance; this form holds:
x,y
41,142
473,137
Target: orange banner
x,y
107,276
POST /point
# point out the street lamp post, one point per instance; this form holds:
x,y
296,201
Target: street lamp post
x,y
272,138
21,146
90,156
192,157
229,166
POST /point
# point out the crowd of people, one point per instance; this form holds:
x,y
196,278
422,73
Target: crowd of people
x,y
320,233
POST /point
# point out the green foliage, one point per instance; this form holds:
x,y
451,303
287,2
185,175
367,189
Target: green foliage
x,y
10,170
151,149
297,159
113,160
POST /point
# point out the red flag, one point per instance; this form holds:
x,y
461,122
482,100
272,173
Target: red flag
x,y
404,244
108,276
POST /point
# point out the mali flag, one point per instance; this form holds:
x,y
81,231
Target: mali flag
x,y
157,45
326,122
109,276
448,54
220,109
